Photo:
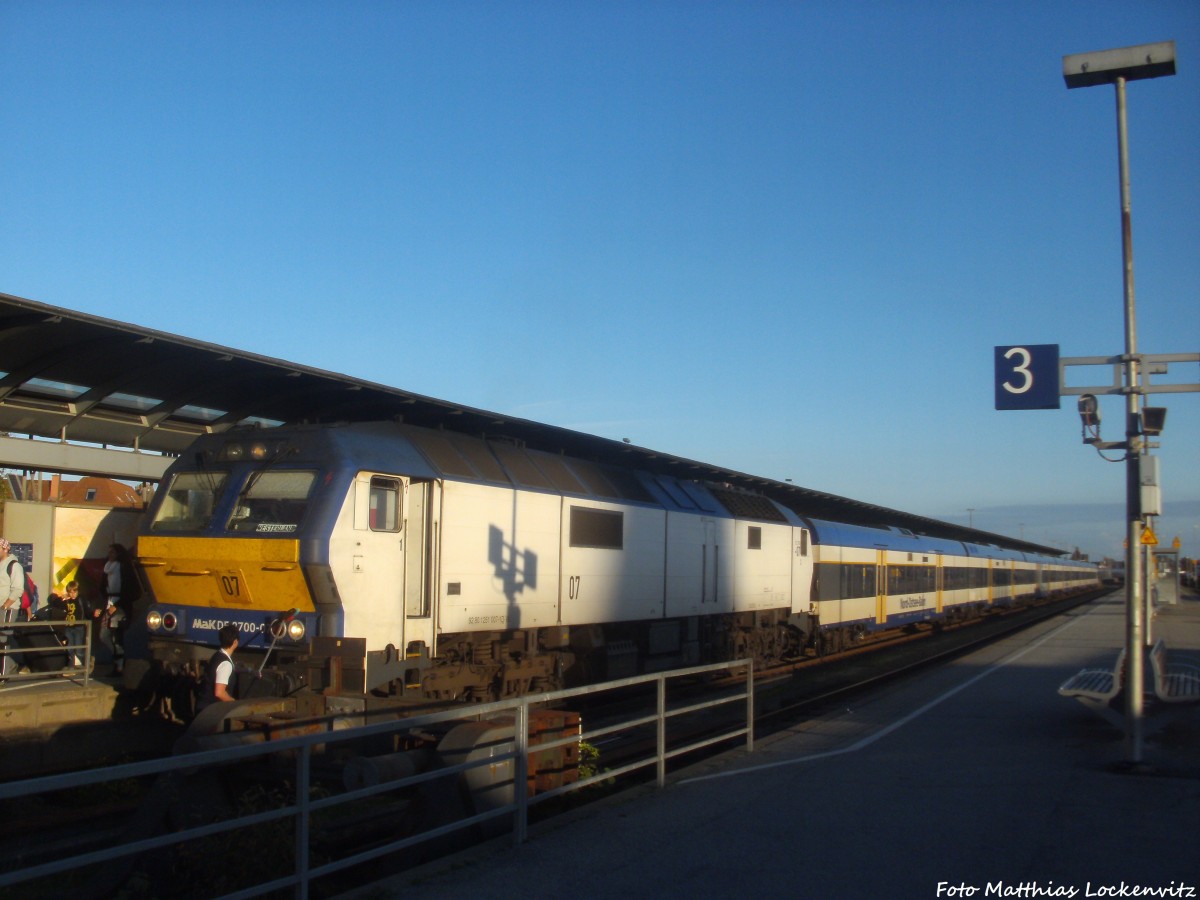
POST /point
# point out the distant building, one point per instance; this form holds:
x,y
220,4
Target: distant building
x,y
86,491
101,491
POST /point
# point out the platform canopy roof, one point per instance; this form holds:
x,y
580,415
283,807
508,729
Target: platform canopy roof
x,y
72,384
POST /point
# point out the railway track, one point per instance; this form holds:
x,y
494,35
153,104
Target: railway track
x,y
859,670
787,694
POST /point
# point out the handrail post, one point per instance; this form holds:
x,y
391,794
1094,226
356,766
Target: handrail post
x,y
661,725
303,771
750,706
521,772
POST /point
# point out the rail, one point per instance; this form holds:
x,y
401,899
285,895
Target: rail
x,y
302,806
49,662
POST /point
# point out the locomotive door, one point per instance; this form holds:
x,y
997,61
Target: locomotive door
x,y
374,608
802,571
420,558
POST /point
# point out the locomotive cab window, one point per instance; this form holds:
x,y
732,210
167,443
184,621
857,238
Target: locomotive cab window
x,y
272,502
598,528
384,504
188,501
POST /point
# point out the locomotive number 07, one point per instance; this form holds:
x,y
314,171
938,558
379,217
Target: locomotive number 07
x,y
232,587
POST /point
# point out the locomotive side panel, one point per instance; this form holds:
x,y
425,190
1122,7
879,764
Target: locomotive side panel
x,y
691,552
614,560
499,558
761,557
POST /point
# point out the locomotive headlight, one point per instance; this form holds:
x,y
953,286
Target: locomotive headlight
x,y
258,451
161,621
233,452
295,630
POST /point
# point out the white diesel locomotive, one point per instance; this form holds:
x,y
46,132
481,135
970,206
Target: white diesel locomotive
x,y
401,560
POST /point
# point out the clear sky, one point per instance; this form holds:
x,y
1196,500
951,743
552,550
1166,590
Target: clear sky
x,y
777,237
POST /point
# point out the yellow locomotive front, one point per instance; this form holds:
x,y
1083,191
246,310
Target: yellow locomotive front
x,y
223,544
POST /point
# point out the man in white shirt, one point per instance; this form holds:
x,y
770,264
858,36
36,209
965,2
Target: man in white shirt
x,y
220,670
12,586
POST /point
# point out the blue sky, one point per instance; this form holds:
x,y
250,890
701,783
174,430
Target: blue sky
x,y
778,237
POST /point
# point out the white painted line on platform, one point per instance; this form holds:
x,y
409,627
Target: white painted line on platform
x,y
899,723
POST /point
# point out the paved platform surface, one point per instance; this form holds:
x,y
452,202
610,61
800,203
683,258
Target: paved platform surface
x,y
972,780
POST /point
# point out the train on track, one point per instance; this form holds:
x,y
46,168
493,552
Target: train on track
x,y
400,561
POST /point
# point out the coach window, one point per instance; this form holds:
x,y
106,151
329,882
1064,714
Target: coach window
x,y
754,538
385,504
598,528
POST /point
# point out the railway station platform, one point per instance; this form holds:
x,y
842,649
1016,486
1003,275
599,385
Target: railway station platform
x,y
51,722
972,779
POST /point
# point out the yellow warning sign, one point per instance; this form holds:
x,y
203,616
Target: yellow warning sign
x,y
1148,537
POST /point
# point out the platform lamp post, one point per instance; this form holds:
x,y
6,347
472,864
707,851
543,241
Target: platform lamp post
x,y
1116,67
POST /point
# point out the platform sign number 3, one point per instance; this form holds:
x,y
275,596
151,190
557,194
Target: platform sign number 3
x,y
1027,377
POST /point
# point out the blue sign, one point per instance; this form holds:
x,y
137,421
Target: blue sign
x,y
1027,377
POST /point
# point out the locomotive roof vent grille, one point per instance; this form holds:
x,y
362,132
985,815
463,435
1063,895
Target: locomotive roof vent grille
x,y
747,506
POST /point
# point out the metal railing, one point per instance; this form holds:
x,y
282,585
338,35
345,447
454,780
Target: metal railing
x,y
56,659
511,752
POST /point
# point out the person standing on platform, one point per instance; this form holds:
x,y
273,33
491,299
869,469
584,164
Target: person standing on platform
x,y
12,586
112,612
72,609
220,671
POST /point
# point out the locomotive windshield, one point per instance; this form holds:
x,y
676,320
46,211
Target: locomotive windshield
x,y
188,501
272,502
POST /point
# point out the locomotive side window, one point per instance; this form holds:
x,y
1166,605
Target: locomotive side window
x,y
385,504
188,501
754,538
272,502
598,528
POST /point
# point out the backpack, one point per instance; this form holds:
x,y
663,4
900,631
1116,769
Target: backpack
x,y
29,597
